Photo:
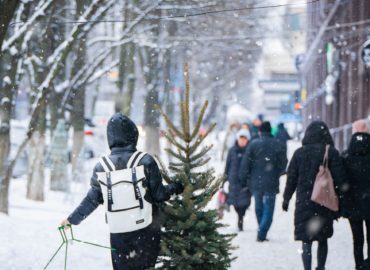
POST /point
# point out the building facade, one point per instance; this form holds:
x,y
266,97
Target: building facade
x,y
336,86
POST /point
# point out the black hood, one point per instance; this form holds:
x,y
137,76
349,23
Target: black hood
x,y
317,133
281,126
121,131
360,144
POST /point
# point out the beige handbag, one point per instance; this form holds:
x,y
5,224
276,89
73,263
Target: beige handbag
x,y
323,190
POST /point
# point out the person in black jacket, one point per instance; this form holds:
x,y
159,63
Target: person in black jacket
x,y
282,136
260,170
312,222
239,197
356,201
122,136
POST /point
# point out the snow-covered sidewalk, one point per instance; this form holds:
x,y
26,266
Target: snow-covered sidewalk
x,y
29,236
281,251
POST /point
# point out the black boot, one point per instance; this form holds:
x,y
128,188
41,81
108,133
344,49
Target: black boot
x,y
240,224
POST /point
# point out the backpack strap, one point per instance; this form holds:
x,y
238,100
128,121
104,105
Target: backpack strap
x,y
104,164
109,161
138,159
108,166
135,159
132,159
136,188
326,156
132,164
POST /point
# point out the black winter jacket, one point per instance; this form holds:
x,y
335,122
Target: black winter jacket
x,y
122,138
263,164
356,201
312,221
238,196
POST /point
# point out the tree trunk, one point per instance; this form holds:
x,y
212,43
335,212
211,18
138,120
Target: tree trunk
x,y
129,93
36,176
151,116
126,70
36,166
4,153
119,104
59,158
78,112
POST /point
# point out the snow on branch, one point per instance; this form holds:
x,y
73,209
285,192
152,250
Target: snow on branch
x,y
39,11
44,88
102,71
63,50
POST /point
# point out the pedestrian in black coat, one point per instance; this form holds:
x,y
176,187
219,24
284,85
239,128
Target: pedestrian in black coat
x,y
260,170
356,201
138,249
312,222
282,136
238,196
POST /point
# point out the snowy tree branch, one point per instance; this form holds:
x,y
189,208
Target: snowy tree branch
x,y
39,11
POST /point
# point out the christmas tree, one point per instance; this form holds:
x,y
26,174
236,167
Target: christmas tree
x,y
191,238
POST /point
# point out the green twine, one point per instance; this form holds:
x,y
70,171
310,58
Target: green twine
x,y
65,242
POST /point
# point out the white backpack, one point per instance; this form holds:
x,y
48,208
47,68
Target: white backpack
x,y
123,193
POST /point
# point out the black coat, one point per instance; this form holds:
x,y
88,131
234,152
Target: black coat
x,y
262,165
122,136
356,201
282,135
312,221
238,196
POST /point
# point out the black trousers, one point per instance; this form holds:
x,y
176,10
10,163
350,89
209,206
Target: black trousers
x,y
135,250
322,253
240,211
357,227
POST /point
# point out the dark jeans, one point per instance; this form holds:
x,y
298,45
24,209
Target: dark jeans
x,y
357,226
322,253
265,206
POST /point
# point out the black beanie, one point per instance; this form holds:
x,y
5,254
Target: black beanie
x,y
265,127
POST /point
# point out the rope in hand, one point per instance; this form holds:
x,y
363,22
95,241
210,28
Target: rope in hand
x,y
65,241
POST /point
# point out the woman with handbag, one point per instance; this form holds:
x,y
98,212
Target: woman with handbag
x,y
356,202
317,160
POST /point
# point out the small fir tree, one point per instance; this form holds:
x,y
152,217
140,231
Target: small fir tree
x,y
191,238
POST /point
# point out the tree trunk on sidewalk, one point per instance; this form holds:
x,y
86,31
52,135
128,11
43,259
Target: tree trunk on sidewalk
x,y
36,164
59,158
151,116
78,111
36,176
5,113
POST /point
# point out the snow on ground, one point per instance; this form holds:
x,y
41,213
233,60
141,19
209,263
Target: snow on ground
x,y
29,236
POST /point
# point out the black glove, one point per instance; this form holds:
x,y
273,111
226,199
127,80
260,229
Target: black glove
x,y
178,188
285,206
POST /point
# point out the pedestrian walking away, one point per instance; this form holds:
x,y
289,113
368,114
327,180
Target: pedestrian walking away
x,y
261,167
312,221
282,136
238,196
129,184
356,201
